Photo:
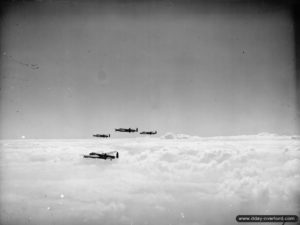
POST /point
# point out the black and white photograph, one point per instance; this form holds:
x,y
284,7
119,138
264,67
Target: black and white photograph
x,y
158,112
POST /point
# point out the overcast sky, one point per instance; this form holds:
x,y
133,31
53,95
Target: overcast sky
x,y
205,69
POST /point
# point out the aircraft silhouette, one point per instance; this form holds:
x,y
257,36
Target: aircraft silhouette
x,y
149,132
106,155
126,130
101,135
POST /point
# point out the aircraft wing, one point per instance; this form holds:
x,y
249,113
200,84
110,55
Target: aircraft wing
x,y
96,153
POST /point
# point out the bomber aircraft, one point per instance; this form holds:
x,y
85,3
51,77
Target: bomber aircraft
x,y
106,155
127,130
149,132
102,135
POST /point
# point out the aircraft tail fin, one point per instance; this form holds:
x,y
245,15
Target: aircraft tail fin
x,y
136,129
109,135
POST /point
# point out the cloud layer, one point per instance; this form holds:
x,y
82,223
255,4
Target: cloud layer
x,y
176,179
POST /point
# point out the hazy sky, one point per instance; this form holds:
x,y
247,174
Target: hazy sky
x,y
205,69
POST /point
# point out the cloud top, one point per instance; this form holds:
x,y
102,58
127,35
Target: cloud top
x,y
174,179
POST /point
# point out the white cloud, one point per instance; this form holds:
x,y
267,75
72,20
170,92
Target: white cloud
x,y
153,181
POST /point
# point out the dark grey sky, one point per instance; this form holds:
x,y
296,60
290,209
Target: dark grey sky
x,y
205,69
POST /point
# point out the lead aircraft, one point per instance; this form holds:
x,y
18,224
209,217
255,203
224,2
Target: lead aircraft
x,y
105,155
